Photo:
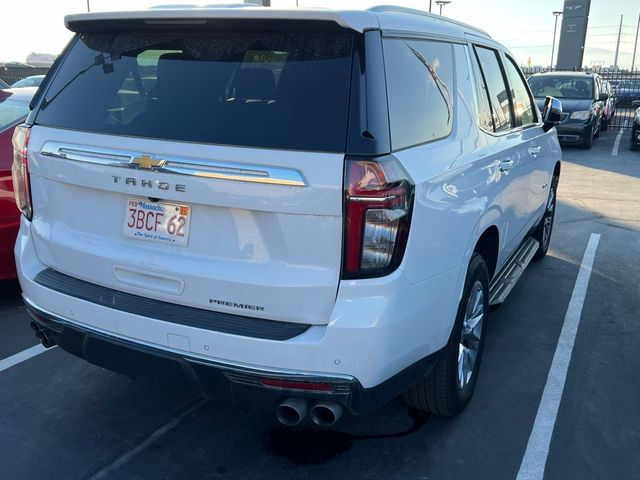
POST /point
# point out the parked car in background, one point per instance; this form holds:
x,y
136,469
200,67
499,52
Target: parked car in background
x,y
582,103
626,92
14,107
32,81
635,129
318,222
608,105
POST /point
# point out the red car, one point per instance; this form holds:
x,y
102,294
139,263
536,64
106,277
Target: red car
x,y
14,107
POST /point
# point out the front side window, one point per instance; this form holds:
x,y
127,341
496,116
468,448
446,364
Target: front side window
x,y
498,93
273,89
420,90
522,104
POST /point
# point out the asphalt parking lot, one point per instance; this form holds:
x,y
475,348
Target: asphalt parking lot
x,y
61,418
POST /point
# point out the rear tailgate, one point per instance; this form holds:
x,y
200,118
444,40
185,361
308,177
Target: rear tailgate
x,y
244,131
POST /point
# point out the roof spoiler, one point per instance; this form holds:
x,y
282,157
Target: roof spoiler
x,y
85,22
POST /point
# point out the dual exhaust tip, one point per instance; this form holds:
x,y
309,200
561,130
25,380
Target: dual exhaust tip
x,y
293,411
42,336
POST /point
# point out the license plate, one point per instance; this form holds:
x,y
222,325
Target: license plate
x,y
160,222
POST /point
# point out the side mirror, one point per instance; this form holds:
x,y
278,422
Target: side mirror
x,y
551,113
603,97
635,104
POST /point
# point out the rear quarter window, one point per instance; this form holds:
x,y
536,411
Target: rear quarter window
x,y
284,90
419,89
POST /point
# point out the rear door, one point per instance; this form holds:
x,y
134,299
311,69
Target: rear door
x,y
230,143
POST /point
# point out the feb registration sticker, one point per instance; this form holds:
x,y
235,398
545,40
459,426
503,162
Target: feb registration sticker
x,y
159,222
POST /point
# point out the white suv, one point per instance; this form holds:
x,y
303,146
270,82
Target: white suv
x,y
306,209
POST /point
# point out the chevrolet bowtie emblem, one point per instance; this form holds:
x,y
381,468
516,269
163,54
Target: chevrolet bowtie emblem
x,y
147,162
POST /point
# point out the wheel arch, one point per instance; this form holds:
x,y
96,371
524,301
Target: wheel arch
x,y
488,247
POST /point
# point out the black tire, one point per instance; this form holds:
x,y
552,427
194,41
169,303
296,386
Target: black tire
x,y
439,392
634,144
604,125
588,142
550,214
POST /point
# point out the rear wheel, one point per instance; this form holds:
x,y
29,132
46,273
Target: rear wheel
x,y
449,386
544,229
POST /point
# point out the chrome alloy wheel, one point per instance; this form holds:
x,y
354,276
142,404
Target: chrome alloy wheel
x,y
471,334
548,218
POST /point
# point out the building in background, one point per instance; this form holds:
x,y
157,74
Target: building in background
x,y
40,59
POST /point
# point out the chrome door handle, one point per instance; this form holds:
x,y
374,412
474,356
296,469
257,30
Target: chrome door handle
x,y
535,151
506,165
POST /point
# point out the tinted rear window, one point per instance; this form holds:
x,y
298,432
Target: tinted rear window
x,y
278,90
11,111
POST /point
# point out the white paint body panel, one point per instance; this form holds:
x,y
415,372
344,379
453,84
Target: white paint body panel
x,y
281,247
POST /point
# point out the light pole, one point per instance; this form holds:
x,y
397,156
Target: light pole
x,y
442,3
635,45
615,59
430,5
553,45
88,7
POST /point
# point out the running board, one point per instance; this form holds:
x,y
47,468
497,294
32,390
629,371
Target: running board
x,y
509,275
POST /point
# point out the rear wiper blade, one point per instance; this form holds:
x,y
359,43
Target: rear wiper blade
x,y
107,67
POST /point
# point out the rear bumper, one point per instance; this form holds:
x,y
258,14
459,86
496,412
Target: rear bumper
x,y
383,334
213,379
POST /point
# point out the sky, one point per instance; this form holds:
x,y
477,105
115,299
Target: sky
x,y
524,26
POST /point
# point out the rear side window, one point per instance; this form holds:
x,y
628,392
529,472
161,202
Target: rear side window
x,y
485,120
419,89
522,104
11,112
498,94
258,89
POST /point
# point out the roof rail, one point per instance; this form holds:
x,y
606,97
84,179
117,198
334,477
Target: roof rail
x,y
414,11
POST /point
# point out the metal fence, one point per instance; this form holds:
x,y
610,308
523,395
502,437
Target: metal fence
x,y
624,88
11,74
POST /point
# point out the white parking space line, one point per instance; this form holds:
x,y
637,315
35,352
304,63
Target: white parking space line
x,y
616,144
124,458
535,456
21,356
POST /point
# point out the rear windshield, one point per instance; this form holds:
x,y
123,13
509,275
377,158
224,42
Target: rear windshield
x,y
11,111
278,90
562,87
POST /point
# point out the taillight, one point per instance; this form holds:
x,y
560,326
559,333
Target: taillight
x,y
378,200
20,170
